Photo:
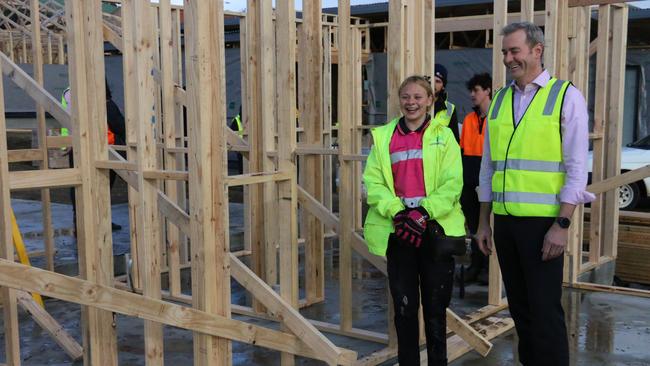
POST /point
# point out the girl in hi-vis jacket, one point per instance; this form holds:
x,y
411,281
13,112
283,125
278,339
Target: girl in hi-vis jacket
x,y
414,178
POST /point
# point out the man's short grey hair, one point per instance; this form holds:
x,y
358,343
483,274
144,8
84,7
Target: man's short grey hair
x,y
534,34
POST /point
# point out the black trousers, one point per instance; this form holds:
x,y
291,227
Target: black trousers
x,y
471,206
412,271
111,178
534,289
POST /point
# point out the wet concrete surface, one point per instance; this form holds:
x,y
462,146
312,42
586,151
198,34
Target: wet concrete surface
x,y
605,329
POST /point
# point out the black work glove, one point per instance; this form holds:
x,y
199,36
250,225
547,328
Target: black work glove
x,y
413,226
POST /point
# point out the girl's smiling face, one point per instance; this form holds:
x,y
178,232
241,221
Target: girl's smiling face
x,y
415,102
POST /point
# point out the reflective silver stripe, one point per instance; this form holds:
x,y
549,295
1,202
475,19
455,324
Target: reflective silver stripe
x,y
497,103
526,197
530,165
405,155
449,111
552,97
412,201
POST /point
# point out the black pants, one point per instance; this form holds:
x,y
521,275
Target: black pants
x,y
471,206
111,178
412,271
534,289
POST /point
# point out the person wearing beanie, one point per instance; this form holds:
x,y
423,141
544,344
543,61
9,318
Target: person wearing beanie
x,y
444,112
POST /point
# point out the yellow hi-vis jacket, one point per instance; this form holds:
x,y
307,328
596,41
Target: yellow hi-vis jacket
x,y
527,159
443,117
443,182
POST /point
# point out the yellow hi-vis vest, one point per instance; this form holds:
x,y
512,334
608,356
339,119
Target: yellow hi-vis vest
x,y
444,117
240,128
527,159
64,104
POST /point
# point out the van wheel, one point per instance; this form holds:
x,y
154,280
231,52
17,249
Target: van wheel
x,y
628,196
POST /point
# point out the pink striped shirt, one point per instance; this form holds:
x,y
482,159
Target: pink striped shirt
x,y
406,162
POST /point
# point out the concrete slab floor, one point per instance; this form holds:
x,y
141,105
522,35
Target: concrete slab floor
x,y
605,329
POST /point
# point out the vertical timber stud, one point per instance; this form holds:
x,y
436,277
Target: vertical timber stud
x,y
148,224
527,10
243,65
267,111
179,129
206,102
311,118
255,130
577,53
562,41
131,120
429,36
498,82
9,308
395,71
169,127
551,31
94,239
418,33
344,117
286,109
614,127
37,61
327,113
395,54
596,218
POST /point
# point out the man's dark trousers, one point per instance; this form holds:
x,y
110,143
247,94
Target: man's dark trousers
x,y
534,289
411,271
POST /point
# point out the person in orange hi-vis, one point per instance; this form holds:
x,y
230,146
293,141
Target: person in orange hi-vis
x,y
471,145
116,135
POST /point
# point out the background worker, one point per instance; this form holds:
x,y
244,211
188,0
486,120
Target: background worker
x,y
471,147
444,112
533,174
116,135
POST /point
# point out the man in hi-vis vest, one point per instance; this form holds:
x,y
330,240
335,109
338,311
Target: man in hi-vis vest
x,y
533,174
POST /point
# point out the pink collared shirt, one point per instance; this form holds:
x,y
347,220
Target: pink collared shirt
x,y
575,142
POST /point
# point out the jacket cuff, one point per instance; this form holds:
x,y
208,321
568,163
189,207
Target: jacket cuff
x,y
397,207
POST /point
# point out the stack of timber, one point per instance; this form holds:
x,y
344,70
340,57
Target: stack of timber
x,y
633,260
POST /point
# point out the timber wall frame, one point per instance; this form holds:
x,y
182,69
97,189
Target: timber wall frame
x,y
178,181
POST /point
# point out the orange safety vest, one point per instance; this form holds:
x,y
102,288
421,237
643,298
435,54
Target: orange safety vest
x,y
472,137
